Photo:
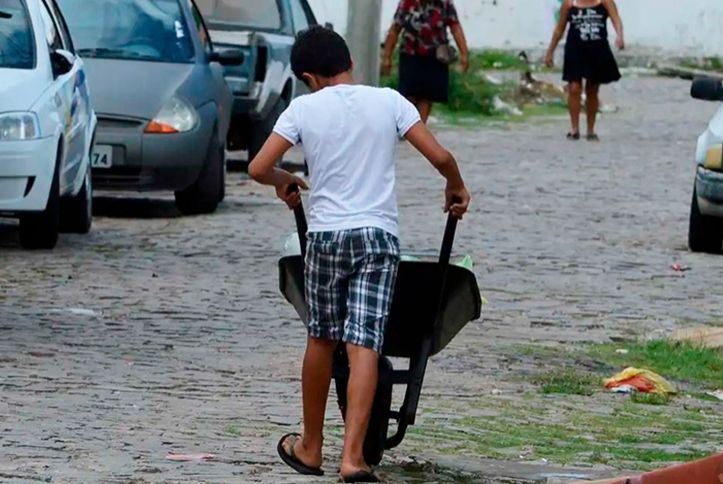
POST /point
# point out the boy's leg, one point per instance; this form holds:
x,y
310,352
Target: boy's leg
x,y
362,387
315,381
370,298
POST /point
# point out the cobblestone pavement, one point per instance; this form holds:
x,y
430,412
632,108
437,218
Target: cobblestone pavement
x,y
159,333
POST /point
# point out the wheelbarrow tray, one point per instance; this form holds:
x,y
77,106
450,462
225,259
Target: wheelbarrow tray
x,y
416,308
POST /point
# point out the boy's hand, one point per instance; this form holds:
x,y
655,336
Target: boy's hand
x,y
291,197
457,201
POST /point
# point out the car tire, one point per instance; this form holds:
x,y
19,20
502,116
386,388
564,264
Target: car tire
x,y
40,230
261,130
705,233
204,195
76,213
222,187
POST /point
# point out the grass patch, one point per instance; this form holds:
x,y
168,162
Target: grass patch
x,y
714,64
672,360
567,382
472,97
650,398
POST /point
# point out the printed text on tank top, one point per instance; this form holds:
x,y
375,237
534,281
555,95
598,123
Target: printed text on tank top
x,y
590,22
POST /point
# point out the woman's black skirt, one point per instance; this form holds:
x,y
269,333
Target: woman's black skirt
x,y
423,77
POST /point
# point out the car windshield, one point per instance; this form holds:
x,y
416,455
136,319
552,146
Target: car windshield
x,y
257,14
153,30
17,46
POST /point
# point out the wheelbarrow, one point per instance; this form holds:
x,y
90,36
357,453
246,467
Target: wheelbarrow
x,y
432,302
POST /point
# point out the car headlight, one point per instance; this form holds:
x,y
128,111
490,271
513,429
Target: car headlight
x,y
177,116
19,127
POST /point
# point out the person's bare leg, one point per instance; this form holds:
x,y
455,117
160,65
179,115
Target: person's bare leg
x,y
315,381
363,364
593,105
575,105
425,109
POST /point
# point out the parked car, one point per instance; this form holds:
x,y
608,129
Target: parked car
x,y
263,86
163,105
46,125
705,233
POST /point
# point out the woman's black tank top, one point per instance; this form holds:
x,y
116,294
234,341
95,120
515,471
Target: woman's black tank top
x,y
588,24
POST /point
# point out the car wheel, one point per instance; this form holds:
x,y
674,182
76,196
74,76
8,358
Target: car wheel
x,y
261,130
222,187
705,233
203,196
76,213
40,230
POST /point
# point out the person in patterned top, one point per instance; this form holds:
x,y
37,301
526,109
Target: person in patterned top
x,y
425,51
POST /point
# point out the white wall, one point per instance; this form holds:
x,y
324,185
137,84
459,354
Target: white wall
x,y
671,27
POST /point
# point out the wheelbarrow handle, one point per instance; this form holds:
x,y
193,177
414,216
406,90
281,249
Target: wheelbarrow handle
x,y
448,241
301,226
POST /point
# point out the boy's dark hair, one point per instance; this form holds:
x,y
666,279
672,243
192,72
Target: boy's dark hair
x,y
321,51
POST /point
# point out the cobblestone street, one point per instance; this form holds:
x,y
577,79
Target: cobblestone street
x,y
159,333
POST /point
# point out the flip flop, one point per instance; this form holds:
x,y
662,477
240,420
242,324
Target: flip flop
x,y
593,137
573,136
361,476
294,462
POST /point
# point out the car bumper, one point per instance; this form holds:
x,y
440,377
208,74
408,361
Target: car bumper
x,y
26,173
709,188
144,161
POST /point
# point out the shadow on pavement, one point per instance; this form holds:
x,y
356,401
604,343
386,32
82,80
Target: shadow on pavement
x,y
117,207
9,234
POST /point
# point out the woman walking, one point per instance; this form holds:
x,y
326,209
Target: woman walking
x,y
425,52
587,56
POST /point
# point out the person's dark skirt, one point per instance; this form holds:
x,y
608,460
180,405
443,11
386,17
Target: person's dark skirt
x,y
423,77
594,62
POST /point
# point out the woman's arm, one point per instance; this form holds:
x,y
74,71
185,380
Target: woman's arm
x,y
461,40
558,33
389,45
617,22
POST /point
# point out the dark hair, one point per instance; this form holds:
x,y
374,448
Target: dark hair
x,y
321,51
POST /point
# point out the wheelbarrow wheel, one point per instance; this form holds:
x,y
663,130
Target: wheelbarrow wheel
x,y
376,437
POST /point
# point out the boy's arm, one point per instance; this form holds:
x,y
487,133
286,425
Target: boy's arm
x,y
263,169
456,194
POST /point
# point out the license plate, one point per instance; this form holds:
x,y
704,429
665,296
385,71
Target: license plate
x,y
102,156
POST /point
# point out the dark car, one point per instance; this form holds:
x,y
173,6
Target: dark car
x,y
263,86
163,105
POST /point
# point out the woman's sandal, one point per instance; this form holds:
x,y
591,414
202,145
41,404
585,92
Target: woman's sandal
x,y
573,136
593,137
289,457
361,476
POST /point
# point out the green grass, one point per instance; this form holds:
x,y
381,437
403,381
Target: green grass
x,y
650,398
568,382
630,436
705,63
471,96
674,361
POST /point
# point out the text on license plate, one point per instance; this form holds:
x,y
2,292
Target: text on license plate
x,y
102,156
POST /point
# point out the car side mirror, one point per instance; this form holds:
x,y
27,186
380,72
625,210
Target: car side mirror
x,y
230,57
329,25
707,89
61,62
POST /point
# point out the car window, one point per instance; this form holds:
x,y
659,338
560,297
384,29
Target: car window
x,y
152,30
52,37
258,14
61,25
298,14
17,45
201,29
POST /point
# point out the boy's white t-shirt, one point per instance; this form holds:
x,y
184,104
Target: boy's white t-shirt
x,y
349,135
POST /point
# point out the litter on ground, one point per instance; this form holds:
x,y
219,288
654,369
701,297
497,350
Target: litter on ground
x,y
640,380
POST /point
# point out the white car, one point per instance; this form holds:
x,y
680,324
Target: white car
x,y
47,125
705,233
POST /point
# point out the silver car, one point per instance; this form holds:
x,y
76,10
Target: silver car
x,y
162,102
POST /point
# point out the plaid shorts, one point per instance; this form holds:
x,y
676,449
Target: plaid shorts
x,y
350,277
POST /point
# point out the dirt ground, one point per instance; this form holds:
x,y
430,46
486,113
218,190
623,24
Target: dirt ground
x,y
159,333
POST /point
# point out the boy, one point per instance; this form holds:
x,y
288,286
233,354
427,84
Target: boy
x,y
349,135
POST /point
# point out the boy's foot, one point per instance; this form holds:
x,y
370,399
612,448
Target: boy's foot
x,y
289,449
593,137
573,136
361,476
